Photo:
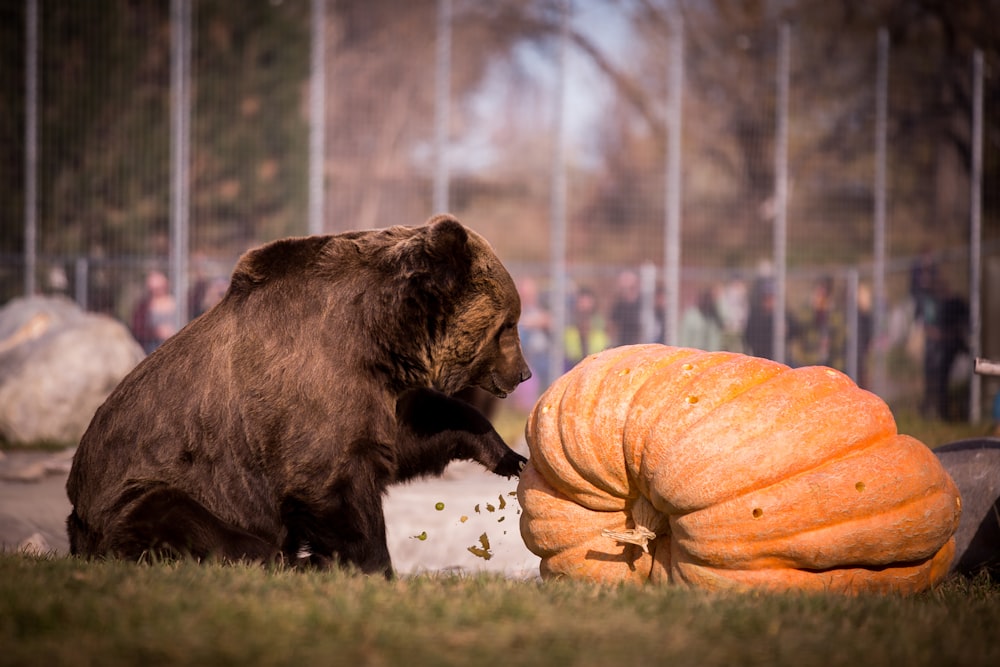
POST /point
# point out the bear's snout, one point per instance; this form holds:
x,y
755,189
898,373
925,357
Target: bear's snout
x,y
504,383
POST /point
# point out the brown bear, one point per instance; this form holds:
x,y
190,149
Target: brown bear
x,y
270,427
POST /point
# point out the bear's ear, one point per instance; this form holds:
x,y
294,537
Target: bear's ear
x,y
447,238
438,255
446,250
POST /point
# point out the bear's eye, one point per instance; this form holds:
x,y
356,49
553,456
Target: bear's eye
x,y
505,328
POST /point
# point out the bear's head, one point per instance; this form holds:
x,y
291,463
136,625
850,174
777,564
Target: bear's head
x,y
464,294
421,306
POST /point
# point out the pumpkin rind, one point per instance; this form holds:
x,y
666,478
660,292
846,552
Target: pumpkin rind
x,y
568,536
765,476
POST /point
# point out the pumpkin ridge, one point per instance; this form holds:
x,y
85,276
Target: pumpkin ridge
x,y
779,552
638,428
685,454
561,428
640,401
741,389
545,421
903,577
569,473
604,465
864,444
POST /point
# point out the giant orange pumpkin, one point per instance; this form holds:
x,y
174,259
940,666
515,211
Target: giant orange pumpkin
x,y
721,470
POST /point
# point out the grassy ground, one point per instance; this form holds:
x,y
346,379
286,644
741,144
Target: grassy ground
x,y
61,611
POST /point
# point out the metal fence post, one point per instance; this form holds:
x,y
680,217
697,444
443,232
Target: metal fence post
x,y
879,300
975,236
317,118
81,282
781,197
558,205
442,99
180,83
31,45
648,329
853,357
672,233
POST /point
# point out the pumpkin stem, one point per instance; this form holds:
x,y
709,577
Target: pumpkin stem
x,y
647,522
639,535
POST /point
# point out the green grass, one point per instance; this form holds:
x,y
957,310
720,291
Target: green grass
x,y
935,433
63,611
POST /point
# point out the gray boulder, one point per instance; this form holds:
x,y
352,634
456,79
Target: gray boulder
x,y
974,464
57,365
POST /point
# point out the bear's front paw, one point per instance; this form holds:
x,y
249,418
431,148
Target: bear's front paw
x,y
510,465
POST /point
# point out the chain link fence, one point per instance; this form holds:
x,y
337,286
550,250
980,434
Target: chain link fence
x,y
648,171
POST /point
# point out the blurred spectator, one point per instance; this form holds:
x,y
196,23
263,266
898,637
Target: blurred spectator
x,y
659,313
946,323
733,307
206,293
758,336
58,281
701,325
153,319
819,335
866,330
625,317
586,332
207,287
101,292
534,328
924,277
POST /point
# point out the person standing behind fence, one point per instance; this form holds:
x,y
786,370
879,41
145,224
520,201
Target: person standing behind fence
x,y
153,319
701,325
946,329
733,307
819,334
625,317
924,279
586,332
865,333
758,336
534,328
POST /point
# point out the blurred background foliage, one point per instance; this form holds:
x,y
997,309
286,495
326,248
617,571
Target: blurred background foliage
x,y
104,132
105,129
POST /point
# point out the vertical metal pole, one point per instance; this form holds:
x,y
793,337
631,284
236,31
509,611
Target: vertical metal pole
x,y
648,330
879,299
558,204
781,197
317,117
31,44
672,233
442,106
854,351
975,237
180,83
81,280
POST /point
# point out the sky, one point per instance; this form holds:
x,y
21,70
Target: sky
x,y
587,92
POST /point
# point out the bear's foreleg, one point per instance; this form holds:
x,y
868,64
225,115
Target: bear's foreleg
x,y
435,429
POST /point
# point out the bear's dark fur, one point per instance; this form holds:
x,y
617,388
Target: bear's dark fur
x,y
271,426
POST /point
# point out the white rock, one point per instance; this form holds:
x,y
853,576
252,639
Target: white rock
x,y
57,365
